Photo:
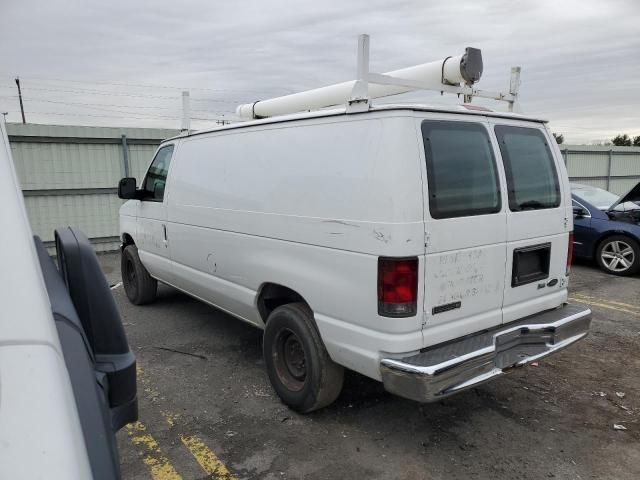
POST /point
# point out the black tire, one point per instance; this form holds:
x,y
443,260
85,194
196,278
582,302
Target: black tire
x,y
299,367
619,255
139,286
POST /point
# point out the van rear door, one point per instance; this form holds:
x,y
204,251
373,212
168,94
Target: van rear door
x,y
537,222
465,228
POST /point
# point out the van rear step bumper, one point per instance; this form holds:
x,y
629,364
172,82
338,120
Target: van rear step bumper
x,y
448,368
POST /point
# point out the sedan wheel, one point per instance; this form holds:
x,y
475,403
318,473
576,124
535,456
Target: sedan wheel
x,y
619,255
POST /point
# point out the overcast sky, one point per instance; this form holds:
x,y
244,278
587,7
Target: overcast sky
x,y
123,63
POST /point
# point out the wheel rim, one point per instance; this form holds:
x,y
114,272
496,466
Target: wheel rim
x,y
290,360
617,256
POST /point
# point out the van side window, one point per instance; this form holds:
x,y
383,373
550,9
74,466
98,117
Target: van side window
x,y
156,178
532,180
461,169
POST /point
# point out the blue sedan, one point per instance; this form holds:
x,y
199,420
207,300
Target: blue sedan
x,y
607,228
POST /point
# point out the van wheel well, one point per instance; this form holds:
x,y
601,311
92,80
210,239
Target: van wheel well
x,y
273,296
127,240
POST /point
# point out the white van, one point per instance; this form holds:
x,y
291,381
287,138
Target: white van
x,y
427,248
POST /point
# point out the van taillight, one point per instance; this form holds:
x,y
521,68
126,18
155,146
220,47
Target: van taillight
x,y
570,252
397,287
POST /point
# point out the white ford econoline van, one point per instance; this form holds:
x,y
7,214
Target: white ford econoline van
x,y
427,248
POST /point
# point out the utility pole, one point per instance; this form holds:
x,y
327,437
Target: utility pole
x,y
186,113
20,97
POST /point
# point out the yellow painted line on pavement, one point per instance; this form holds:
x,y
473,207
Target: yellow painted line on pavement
x,y
159,465
205,457
604,305
613,302
208,460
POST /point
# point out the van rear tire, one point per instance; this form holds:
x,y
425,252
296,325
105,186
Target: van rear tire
x,y
298,364
139,286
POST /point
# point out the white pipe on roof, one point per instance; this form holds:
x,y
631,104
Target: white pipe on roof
x,y
465,68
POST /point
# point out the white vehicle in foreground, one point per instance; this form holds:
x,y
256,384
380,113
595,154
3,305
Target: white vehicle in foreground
x,y
428,248
67,376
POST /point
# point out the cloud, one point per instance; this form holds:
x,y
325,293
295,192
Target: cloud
x,y
579,58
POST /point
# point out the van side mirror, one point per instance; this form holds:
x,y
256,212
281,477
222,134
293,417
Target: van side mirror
x,y
97,311
579,212
127,188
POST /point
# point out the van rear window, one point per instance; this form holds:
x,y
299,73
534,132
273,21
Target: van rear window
x,y
461,169
532,180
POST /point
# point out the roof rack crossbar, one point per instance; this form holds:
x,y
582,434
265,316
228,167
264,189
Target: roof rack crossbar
x,y
360,98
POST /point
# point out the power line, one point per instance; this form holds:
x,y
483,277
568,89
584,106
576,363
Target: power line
x,y
83,104
126,112
113,116
123,94
202,114
139,85
93,115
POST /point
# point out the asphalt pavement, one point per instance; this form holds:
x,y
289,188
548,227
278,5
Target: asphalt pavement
x,y
207,409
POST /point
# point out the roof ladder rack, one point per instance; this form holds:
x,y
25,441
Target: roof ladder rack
x,y
455,75
360,98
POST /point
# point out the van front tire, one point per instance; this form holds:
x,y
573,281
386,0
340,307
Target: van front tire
x,y
139,286
299,367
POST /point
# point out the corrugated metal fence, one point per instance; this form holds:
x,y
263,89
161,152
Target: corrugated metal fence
x,y
616,169
69,174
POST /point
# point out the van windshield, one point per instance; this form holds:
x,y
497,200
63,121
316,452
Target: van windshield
x,y
532,180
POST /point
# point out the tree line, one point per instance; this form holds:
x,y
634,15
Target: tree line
x,y
622,140
625,140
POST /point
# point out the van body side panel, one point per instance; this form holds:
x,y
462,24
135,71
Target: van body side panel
x,y
129,219
308,205
532,228
466,254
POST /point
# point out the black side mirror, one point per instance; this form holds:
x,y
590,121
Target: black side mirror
x,y
127,188
115,363
579,212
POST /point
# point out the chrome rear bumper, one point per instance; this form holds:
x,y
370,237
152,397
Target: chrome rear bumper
x,y
448,368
